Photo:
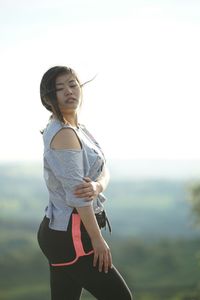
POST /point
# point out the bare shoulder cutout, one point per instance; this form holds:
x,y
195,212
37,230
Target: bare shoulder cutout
x,y
66,138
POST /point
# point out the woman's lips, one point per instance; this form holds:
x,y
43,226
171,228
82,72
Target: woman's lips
x,y
70,99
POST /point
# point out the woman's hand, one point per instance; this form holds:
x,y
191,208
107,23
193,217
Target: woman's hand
x,y
102,254
88,189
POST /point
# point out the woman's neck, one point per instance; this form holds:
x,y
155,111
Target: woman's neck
x,y
71,119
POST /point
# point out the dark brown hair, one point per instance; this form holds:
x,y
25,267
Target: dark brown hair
x,y
48,88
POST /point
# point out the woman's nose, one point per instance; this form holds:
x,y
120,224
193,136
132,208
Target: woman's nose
x,y
68,91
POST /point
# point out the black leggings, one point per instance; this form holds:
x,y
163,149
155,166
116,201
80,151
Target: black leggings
x,y
67,281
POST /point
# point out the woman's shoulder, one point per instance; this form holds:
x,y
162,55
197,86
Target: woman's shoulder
x,y
65,138
51,128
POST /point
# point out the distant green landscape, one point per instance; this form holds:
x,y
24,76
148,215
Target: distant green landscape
x,y
154,243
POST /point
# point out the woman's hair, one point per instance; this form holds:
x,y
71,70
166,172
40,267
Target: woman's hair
x,y
48,88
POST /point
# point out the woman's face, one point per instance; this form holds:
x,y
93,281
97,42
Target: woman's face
x,y
68,92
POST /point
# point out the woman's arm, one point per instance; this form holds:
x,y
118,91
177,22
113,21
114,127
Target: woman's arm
x,y
90,189
104,178
102,252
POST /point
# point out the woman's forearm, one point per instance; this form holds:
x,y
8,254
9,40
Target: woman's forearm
x,y
89,220
102,254
104,178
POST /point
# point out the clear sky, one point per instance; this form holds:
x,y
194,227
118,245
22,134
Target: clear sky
x,y
144,102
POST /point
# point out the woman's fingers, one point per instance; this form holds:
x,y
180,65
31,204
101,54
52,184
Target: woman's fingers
x,y
102,255
95,259
109,260
83,185
86,190
101,262
87,194
104,261
83,188
87,179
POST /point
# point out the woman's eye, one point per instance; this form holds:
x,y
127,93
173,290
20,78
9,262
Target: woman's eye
x,y
73,85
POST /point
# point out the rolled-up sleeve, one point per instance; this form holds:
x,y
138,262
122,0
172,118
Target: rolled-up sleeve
x,y
67,166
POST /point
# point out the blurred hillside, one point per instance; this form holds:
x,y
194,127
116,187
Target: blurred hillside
x,y
187,169
142,207
153,243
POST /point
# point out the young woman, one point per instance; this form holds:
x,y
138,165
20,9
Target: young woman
x,y
76,175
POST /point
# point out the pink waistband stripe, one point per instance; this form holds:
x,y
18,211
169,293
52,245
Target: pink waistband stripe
x,y
76,236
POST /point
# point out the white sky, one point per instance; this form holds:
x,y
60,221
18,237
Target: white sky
x,y
144,103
